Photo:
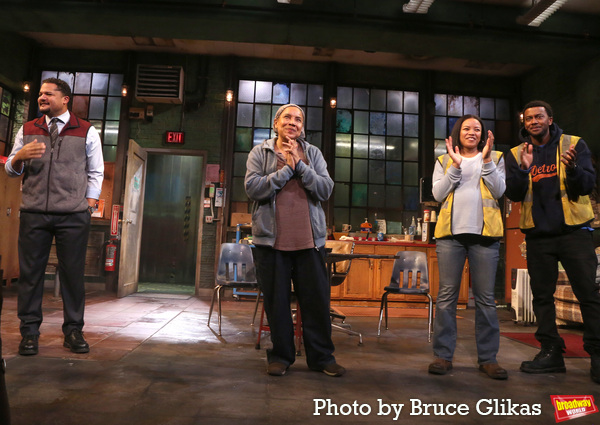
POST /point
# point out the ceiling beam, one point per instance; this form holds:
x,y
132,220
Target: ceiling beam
x,y
469,31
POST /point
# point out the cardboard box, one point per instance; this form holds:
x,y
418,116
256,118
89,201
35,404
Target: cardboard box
x,y
240,218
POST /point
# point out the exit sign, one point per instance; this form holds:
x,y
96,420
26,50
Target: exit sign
x,y
175,137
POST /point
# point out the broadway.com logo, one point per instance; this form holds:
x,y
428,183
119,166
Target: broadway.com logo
x,y
572,406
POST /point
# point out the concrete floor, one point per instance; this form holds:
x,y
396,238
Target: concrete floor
x,y
153,360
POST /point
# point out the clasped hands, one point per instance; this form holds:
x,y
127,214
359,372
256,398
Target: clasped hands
x,y
290,151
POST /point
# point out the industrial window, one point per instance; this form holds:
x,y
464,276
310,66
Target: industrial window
x,y
494,112
257,103
96,98
376,157
6,109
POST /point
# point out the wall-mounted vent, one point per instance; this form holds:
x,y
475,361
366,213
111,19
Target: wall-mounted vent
x,y
159,84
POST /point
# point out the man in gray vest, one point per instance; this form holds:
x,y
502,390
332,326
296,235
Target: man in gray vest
x,y
60,158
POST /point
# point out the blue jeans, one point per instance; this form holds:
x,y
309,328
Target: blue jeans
x,y
483,260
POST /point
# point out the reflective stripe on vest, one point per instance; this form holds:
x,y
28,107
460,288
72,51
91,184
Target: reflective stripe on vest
x,y
492,217
575,212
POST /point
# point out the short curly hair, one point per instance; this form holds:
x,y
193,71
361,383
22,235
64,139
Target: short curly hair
x,y
538,104
62,86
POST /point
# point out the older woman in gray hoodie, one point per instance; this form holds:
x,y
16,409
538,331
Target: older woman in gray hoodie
x,y
287,180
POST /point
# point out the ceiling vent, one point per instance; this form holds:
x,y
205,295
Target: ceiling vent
x,y
159,84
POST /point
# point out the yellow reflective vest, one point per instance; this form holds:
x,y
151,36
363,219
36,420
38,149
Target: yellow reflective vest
x,y
492,217
575,212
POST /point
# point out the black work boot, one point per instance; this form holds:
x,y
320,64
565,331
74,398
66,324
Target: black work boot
x,y
548,360
595,369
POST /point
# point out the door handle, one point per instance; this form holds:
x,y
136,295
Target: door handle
x,y
126,221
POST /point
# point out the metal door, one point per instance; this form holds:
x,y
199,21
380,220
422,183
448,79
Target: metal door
x,y
133,210
172,211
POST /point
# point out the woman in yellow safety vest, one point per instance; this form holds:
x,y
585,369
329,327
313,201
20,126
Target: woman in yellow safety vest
x,y
468,181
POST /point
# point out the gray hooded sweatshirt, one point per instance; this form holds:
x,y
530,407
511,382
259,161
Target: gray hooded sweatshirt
x,y
263,181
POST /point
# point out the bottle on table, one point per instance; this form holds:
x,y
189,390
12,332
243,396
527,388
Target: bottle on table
x,y
412,227
432,224
425,233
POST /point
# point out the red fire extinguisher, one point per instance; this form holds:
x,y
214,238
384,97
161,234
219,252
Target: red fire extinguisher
x,y
111,255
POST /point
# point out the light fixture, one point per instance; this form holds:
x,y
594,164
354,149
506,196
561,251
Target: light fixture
x,y
229,96
124,90
333,102
540,12
26,86
417,6
290,1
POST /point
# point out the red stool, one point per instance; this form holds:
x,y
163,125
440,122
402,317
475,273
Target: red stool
x,y
297,320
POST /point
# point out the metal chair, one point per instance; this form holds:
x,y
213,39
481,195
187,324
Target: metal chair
x,y
412,263
236,270
296,320
338,271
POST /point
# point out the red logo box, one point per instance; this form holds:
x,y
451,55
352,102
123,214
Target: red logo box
x,y
572,406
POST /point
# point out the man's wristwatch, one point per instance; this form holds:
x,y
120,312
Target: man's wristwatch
x,y
91,210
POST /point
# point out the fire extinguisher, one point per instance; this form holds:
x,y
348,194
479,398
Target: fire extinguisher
x,y
111,255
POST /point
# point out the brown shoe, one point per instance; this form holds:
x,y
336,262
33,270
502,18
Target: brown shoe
x,y
493,370
334,369
440,366
277,369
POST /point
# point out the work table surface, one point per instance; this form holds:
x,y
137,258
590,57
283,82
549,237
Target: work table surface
x,y
402,243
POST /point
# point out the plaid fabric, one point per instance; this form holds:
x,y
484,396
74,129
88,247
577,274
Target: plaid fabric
x,y
567,306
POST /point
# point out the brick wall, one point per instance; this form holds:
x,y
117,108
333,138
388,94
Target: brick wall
x,y
573,91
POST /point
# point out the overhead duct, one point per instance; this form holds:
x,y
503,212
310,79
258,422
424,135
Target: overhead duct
x,y
159,84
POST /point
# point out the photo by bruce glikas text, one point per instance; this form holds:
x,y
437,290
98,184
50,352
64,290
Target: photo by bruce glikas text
x,y
417,407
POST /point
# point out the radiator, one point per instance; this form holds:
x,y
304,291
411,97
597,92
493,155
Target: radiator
x,y
521,297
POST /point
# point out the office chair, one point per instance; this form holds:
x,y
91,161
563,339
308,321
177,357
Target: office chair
x,y
413,263
338,271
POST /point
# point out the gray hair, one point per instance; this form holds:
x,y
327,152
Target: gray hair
x,y
280,111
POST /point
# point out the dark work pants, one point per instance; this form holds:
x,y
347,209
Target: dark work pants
x,y
306,268
35,239
576,253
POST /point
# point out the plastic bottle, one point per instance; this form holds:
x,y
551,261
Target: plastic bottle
x,y
412,227
379,229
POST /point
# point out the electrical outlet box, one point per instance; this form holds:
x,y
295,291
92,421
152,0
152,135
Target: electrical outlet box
x,y
136,113
208,219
